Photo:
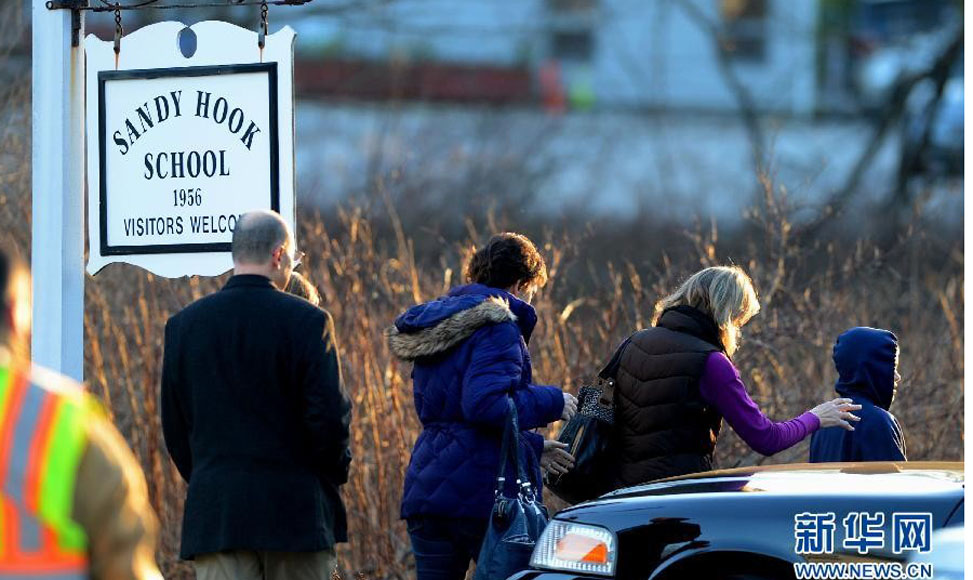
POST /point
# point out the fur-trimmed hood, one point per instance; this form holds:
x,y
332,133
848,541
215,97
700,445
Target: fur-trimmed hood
x,y
469,354
437,326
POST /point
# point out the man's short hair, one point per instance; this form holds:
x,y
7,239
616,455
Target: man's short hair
x,y
257,234
10,268
5,267
4,275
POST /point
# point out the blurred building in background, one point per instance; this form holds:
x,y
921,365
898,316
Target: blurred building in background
x,y
791,56
586,53
613,105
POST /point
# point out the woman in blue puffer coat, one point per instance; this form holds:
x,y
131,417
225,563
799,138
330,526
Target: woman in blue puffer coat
x,y
469,350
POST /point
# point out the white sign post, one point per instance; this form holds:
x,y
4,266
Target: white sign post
x,y
192,128
57,173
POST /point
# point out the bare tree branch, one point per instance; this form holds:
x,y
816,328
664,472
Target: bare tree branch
x,y
745,101
911,158
893,112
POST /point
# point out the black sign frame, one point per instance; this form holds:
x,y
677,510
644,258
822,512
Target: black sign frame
x,y
191,71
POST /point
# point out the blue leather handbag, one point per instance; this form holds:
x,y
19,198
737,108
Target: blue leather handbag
x,y
516,522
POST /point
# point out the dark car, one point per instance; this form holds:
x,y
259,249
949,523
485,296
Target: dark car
x,y
756,523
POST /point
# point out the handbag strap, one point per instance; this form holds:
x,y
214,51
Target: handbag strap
x,y
607,374
510,451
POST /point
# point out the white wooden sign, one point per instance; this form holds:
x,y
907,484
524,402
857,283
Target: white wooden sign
x,y
191,129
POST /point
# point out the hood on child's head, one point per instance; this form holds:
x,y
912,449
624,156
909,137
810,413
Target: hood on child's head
x,y
865,359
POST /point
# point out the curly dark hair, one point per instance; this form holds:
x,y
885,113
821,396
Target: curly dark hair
x,y
508,260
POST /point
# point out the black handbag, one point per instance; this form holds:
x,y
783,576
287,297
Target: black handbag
x,y
515,522
588,436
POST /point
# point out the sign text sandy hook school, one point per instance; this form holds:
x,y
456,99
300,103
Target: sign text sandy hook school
x,y
179,147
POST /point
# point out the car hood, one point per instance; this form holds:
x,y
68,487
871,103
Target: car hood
x,y
861,478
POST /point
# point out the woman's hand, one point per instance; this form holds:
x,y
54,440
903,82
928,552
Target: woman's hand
x,y
555,460
570,407
837,413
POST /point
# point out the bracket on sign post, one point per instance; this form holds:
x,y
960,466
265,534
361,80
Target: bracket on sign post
x,y
75,6
78,6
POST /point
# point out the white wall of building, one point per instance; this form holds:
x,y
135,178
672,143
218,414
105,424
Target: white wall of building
x,y
654,54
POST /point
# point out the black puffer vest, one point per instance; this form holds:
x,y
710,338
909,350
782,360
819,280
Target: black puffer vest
x,y
662,426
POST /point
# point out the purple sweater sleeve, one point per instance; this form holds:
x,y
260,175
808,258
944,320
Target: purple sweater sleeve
x,y
722,387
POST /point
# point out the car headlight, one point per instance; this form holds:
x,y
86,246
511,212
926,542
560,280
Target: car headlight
x,y
576,548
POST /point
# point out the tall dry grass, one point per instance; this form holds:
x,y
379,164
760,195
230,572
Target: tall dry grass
x,y
366,280
604,278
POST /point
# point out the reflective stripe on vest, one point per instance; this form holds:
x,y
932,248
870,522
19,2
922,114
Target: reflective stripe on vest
x,y
42,439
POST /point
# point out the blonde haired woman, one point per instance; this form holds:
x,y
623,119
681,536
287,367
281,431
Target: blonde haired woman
x,y
676,383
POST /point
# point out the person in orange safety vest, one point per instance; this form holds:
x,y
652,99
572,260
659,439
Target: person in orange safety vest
x,y
73,499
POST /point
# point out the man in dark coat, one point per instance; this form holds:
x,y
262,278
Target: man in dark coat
x,y
256,420
866,361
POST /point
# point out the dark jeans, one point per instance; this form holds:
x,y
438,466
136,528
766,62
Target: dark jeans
x,y
443,547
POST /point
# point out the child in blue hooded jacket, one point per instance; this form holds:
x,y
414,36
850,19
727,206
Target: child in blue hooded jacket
x,y
866,360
